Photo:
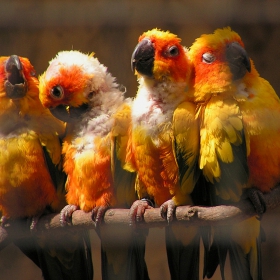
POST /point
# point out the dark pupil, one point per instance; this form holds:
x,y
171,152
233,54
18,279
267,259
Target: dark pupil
x,y
173,51
90,95
56,91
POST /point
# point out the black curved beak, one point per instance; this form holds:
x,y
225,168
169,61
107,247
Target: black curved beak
x,y
238,59
67,113
15,85
143,57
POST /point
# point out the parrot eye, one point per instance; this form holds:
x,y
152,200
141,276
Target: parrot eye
x,y
172,51
32,73
91,94
57,92
208,58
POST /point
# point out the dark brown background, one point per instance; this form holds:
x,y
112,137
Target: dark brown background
x,y
110,28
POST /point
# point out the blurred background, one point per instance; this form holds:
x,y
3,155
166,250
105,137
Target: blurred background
x,y
110,28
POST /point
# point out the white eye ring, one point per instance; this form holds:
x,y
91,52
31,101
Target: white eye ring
x,y
208,58
172,51
57,92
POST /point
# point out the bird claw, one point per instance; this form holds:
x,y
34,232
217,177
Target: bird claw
x,y
137,210
34,222
98,213
66,214
257,199
167,210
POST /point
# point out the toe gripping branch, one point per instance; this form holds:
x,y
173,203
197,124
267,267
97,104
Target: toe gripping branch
x,y
150,202
258,200
66,214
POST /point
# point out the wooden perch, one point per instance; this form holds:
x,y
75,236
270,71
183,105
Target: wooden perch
x,y
189,215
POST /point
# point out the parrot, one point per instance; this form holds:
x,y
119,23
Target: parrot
x,y
78,89
238,112
164,143
32,183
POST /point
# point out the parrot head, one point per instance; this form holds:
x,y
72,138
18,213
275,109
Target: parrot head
x,y
18,87
219,59
160,56
71,83
17,77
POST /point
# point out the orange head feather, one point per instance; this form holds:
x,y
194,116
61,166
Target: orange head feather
x,y
160,55
65,81
219,59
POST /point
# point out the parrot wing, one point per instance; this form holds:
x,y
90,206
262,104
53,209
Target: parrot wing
x,y
186,145
183,243
29,245
122,249
223,155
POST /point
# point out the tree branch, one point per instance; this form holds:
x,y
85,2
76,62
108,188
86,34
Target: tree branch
x,y
189,215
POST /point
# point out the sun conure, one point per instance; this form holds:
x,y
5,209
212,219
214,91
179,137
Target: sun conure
x,y
79,90
164,143
238,113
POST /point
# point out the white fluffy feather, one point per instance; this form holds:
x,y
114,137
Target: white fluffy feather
x,y
155,103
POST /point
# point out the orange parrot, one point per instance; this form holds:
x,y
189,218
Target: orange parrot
x,y
164,143
31,183
78,89
24,142
238,113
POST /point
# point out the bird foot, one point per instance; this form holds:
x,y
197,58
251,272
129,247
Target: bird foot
x,y
98,213
167,210
137,210
257,199
66,214
34,222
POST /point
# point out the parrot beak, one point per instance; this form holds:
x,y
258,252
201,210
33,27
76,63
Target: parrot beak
x,y
67,113
15,85
143,57
238,59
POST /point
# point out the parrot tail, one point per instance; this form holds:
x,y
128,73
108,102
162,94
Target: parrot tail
x,y
123,253
242,243
183,246
66,257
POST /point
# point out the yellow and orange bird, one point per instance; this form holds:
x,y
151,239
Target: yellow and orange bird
x,y
238,113
78,89
164,142
31,180
26,185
